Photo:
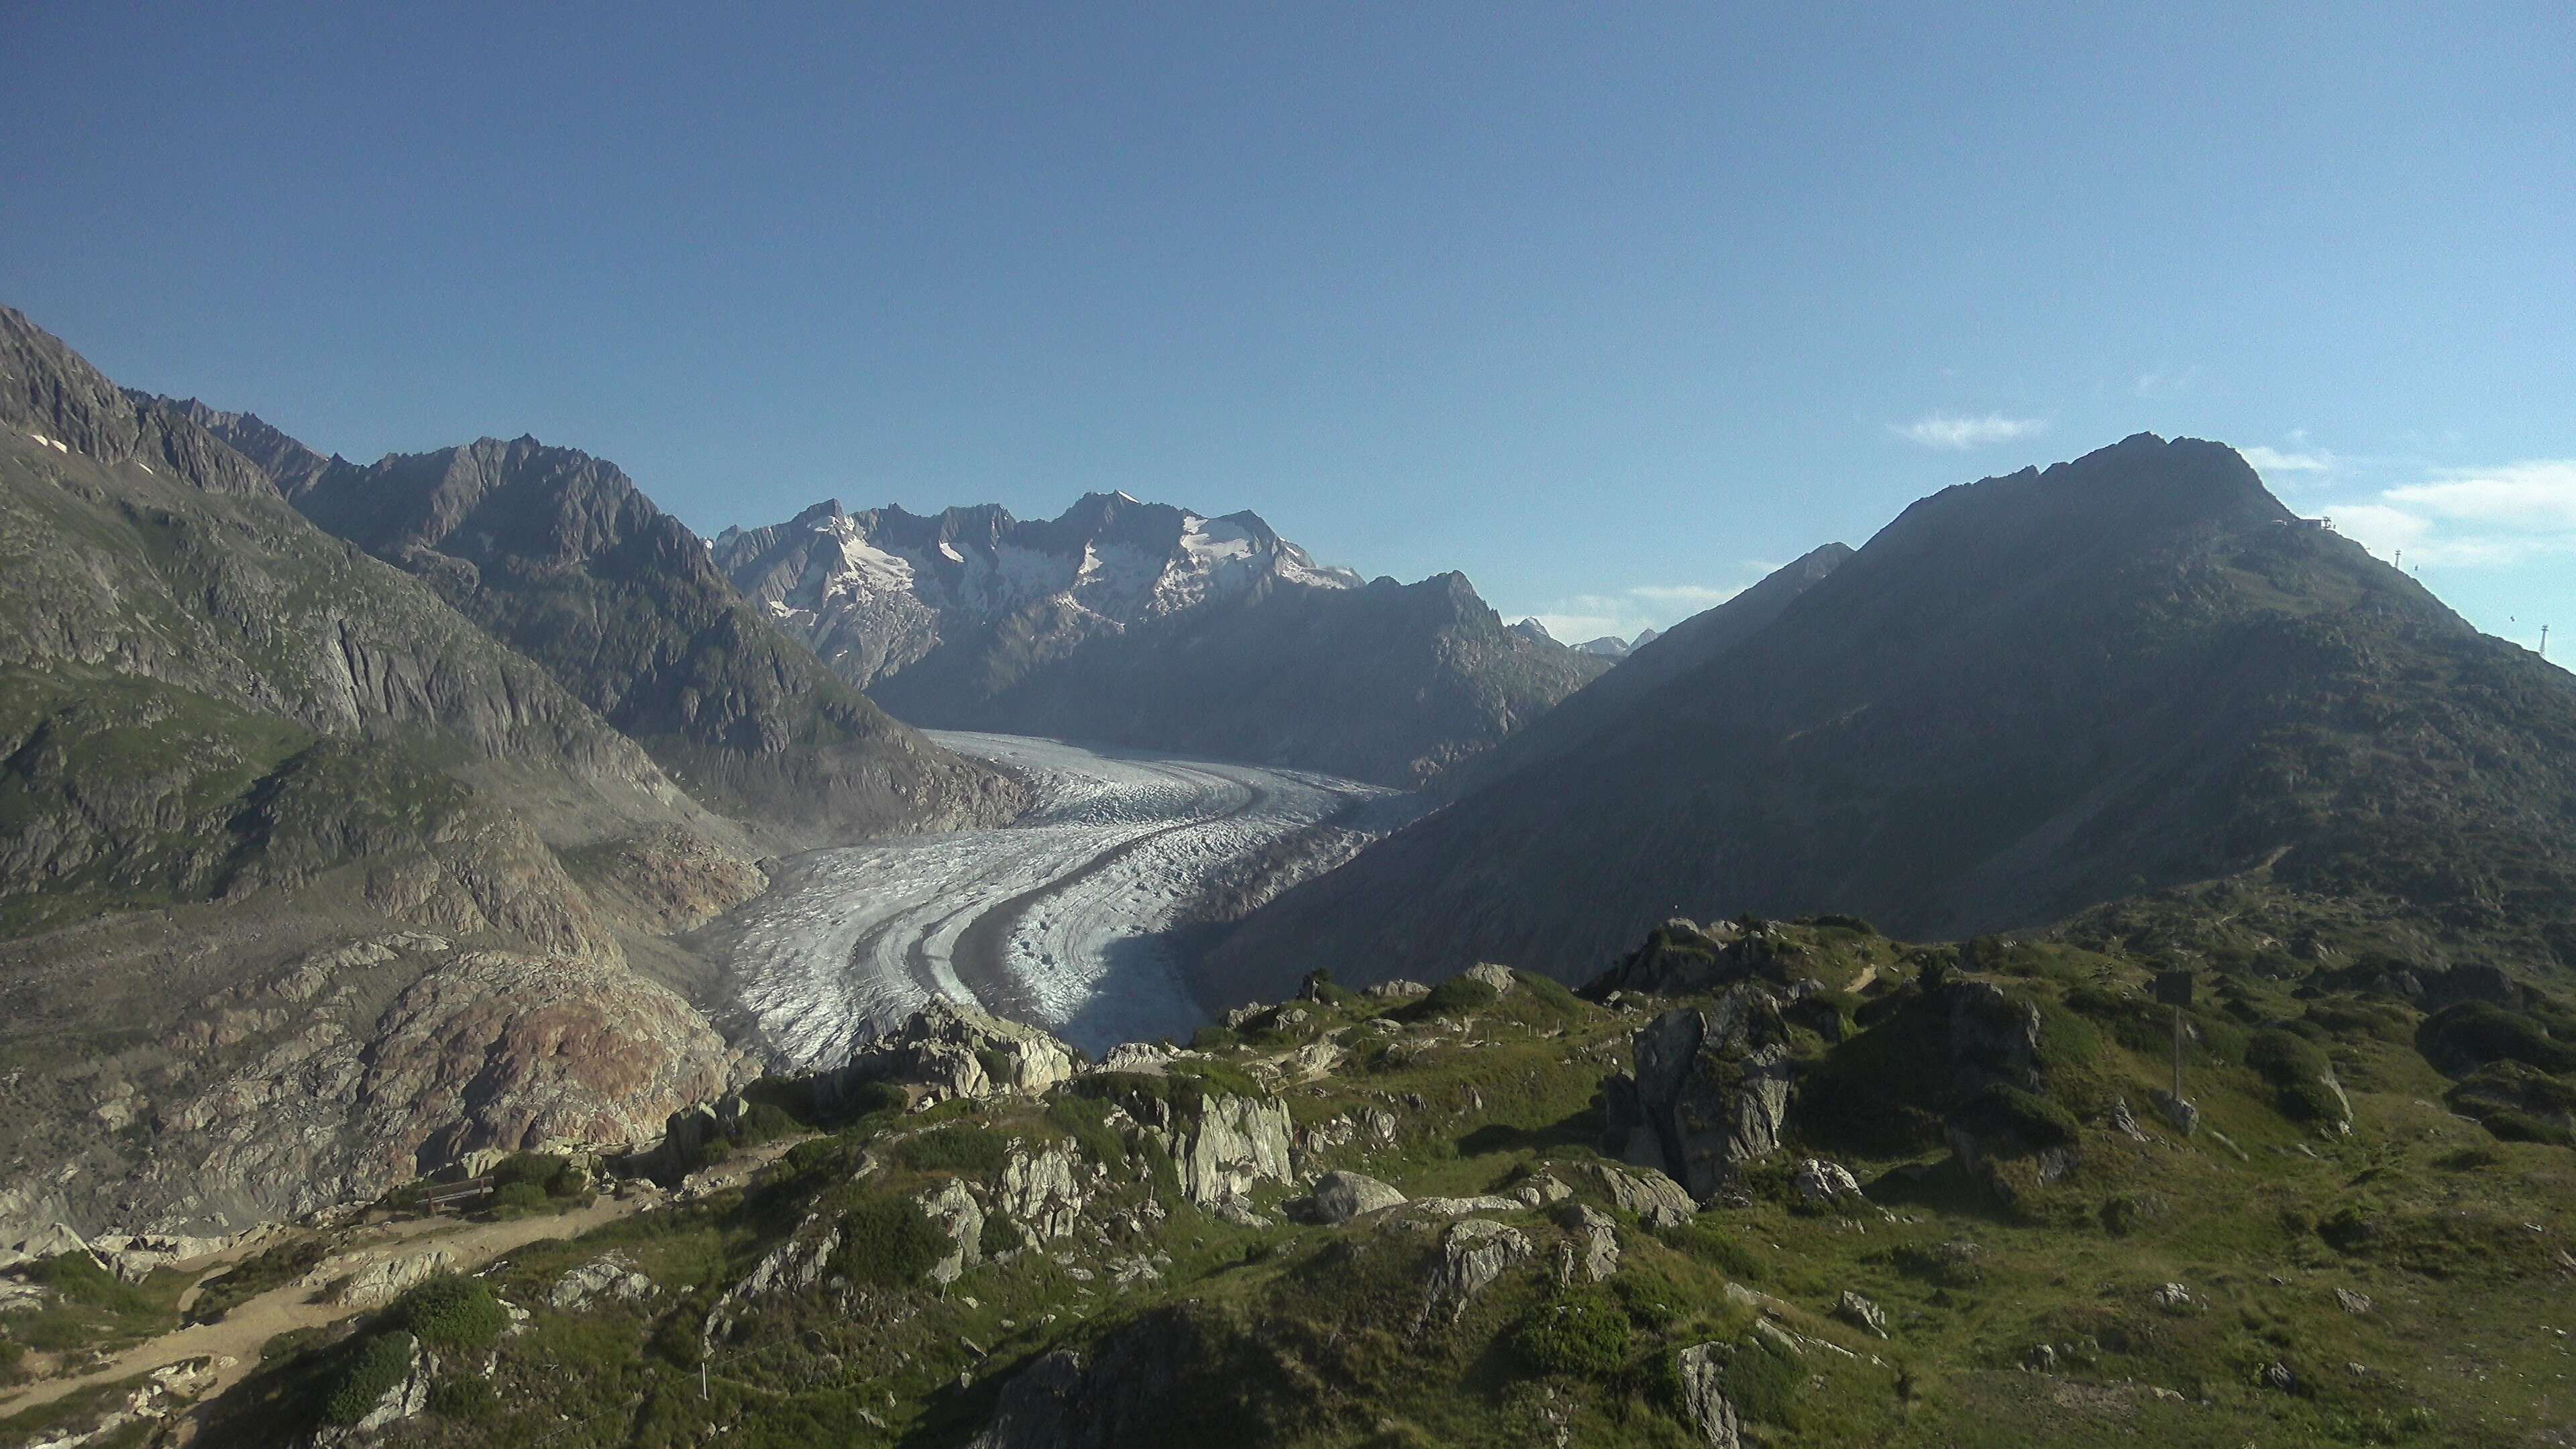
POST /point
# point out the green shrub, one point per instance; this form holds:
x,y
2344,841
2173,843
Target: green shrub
x,y
1848,923
79,1279
543,1169
1457,996
518,1197
870,1098
13,1356
888,1241
368,1375
1086,1121
1213,1038
467,1396
1764,1383
451,1314
962,1148
1550,996
2284,1057
765,1122
1000,1235
2461,1038
2009,1118
1580,1335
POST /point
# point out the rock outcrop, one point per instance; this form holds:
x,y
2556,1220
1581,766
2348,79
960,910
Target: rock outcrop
x,y
379,1283
1041,1192
1703,1380
1710,1090
958,1215
947,1050
1341,1196
1473,1253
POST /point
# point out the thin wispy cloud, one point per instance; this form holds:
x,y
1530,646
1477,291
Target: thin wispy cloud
x,y
2472,517
1958,433
1697,596
2269,461
2166,382
1632,610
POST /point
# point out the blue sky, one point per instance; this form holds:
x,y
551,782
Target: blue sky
x,y
1608,306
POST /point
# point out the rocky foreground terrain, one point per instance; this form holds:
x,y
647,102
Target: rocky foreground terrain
x,y
1762,1183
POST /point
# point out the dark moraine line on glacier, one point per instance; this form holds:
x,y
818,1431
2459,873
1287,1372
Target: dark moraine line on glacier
x,y
980,959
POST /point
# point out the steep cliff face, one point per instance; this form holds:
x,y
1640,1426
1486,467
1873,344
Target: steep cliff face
x,y
231,747
1153,626
559,555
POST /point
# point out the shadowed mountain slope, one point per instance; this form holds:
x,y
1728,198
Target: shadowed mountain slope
x,y
559,555
2025,696
1648,667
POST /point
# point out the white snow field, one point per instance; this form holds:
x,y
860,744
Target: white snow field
x,y
1052,920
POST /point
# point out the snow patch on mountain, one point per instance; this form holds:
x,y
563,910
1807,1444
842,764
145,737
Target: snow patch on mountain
x,y
877,591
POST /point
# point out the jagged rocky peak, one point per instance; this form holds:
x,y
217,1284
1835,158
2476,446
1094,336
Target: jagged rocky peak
x,y
879,589
51,395
1534,631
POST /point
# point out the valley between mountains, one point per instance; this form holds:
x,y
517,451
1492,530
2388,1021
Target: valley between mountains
x,y
482,964
1076,917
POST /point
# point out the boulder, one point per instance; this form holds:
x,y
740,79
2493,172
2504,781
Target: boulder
x,y
1710,1090
381,1282
1497,977
1398,989
1703,1381
1473,1253
1040,1192
954,1209
1825,1183
1541,1190
1593,1253
950,1050
2184,1116
609,1279
1341,1196
1860,1313
2125,1122
1652,1196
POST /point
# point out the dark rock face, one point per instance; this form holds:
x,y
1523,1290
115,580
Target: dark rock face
x,y
1992,1038
50,392
1171,1378
1709,1093
559,555
2024,697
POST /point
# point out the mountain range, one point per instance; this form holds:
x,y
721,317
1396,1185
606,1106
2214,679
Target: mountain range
x,y
1152,626
321,869
2025,697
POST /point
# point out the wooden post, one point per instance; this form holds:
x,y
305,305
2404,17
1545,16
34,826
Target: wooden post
x,y
2177,1090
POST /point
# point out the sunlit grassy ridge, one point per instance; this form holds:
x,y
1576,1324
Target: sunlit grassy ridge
x,y
2399,1282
